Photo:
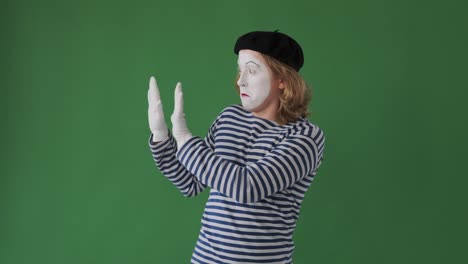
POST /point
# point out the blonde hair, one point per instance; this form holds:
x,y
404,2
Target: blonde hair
x,y
294,98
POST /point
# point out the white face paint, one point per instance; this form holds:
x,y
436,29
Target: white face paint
x,y
254,80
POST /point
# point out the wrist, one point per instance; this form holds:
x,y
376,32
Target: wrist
x,y
181,140
159,136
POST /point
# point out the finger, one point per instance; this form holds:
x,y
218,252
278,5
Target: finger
x,y
149,96
153,94
150,91
178,99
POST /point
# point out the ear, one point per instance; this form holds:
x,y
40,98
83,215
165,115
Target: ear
x,y
281,84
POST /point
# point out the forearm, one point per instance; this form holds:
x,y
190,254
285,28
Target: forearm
x,y
290,161
164,155
225,176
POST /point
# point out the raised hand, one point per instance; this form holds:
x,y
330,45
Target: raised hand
x,y
179,125
156,120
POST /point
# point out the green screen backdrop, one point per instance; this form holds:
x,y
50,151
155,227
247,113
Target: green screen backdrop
x,y
78,183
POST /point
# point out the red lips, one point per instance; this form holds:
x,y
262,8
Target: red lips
x,y
244,94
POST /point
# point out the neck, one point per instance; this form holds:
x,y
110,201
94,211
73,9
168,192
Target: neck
x,y
269,112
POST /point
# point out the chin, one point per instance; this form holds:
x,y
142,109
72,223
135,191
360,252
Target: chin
x,y
253,107
250,108
247,108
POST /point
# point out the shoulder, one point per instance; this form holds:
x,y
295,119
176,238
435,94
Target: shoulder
x,y
307,137
307,130
233,110
233,113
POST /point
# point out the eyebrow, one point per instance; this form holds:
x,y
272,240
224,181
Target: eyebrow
x,y
248,63
253,63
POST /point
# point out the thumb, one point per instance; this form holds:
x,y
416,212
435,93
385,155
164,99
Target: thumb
x,y
154,97
178,100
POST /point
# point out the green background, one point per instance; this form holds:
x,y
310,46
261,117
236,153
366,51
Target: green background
x,y
78,183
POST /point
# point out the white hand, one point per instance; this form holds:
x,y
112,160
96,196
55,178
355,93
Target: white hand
x,y
156,120
179,125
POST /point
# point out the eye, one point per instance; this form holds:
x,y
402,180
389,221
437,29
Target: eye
x,y
251,71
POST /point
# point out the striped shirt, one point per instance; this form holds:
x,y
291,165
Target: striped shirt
x,y
257,172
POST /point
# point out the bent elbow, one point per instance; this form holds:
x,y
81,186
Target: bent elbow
x,y
189,193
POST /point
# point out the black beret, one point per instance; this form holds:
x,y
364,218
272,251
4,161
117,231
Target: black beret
x,y
275,44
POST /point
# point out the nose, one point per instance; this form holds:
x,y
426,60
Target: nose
x,y
242,82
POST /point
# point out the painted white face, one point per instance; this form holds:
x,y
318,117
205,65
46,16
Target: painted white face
x,y
254,80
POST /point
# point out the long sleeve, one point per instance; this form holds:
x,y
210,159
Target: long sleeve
x,y
295,157
164,156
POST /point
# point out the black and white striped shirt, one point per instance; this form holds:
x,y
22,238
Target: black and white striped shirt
x,y
258,173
